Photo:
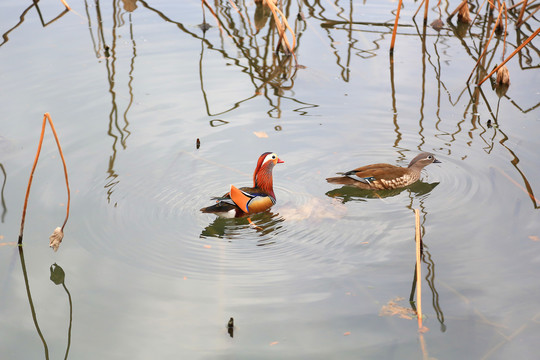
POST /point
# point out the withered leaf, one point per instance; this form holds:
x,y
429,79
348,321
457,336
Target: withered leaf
x,y
56,238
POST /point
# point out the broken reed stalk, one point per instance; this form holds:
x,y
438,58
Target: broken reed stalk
x,y
457,9
510,56
395,28
65,4
46,117
487,44
418,238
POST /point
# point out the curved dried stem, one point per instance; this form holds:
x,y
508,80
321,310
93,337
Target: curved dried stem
x,y
46,117
511,55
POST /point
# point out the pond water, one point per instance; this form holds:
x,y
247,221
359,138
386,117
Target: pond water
x,y
327,273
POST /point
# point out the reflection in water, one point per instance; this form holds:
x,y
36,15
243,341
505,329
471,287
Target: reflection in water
x,y
58,277
23,14
263,224
4,207
430,279
31,303
352,193
117,129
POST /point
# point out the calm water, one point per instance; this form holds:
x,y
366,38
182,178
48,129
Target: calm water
x,y
147,276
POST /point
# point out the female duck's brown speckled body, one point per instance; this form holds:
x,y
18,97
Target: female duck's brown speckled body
x,y
249,200
385,176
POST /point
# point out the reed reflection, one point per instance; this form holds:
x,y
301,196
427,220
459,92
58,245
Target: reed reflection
x,y
427,259
57,277
35,4
118,119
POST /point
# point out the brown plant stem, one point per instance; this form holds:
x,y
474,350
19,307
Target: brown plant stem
x,y
48,117
395,28
457,9
30,182
419,7
426,11
518,21
511,55
65,4
487,44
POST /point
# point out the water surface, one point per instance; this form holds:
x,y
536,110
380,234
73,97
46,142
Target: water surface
x,y
147,275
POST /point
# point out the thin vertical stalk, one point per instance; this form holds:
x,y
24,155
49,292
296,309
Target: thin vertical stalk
x,y
30,182
418,269
395,28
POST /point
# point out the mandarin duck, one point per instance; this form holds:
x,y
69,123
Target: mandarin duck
x,y
385,176
249,200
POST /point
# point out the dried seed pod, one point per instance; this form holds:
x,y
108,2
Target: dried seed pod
x,y
464,15
56,238
503,76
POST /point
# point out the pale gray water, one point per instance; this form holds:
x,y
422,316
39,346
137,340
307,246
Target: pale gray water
x,y
150,277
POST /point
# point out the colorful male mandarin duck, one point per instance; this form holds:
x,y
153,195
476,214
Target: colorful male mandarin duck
x,y
385,176
249,200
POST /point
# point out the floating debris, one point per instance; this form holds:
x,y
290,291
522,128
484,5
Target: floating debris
x,y
437,25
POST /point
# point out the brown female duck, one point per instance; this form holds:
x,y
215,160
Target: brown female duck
x,y
385,176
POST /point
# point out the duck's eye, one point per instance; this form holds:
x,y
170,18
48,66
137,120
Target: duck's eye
x,y
430,157
273,156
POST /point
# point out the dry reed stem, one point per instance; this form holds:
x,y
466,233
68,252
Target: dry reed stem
x,y
518,21
485,47
46,117
457,9
516,5
419,7
426,11
395,27
30,181
528,17
511,55
418,270
65,4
